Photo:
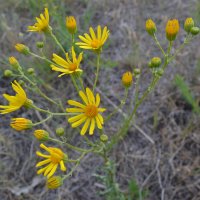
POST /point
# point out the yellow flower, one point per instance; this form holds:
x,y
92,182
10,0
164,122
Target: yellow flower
x,y
150,27
20,124
127,79
22,48
41,135
55,157
13,60
188,24
172,29
89,112
42,24
95,41
71,24
54,182
67,66
15,102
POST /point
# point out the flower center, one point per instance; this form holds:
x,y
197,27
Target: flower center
x,y
91,111
56,155
73,67
95,44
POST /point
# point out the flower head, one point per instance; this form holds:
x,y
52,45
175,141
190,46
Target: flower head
x,y
20,124
55,157
127,79
71,24
94,41
41,135
22,48
150,27
42,24
172,29
54,182
89,112
67,66
188,24
15,102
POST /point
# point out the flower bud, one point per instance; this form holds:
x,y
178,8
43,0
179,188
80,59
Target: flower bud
x,y
151,27
104,138
22,49
54,182
13,61
20,124
71,24
155,62
30,71
137,71
28,104
172,29
189,23
21,82
160,72
195,30
8,73
40,45
41,135
60,131
127,79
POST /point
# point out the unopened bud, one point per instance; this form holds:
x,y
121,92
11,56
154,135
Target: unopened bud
x,y
13,61
40,45
41,135
127,79
172,29
151,27
60,131
54,182
21,124
155,62
30,70
189,23
195,30
8,73
137,71
22,49
71,24
104,138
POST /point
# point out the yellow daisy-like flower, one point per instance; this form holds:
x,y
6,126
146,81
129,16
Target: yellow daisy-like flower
x,y
55,157
89,112
15,102
42,24
94,41
67,66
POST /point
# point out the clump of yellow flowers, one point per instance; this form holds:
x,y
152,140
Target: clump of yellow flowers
x,y
89,115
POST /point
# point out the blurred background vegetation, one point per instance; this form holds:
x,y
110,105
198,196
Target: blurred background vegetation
x,y
169,168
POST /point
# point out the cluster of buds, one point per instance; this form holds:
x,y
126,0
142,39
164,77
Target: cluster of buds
x,y
172,28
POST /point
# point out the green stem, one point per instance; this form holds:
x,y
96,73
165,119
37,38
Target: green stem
x,y
49,112
158,44
186,41
44,120
74,82
42,58
97,72
57,42
81,82
45,96
71,146
74,168
72,40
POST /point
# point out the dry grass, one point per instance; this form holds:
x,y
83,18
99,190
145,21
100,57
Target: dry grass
x,y
169,167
